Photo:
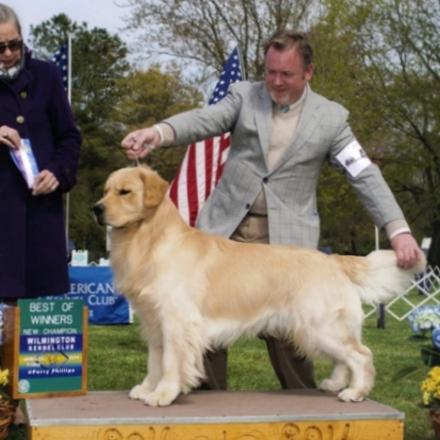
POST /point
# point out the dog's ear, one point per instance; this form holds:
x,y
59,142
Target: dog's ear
x,y
155,188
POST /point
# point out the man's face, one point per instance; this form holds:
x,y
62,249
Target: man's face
x,y
286,77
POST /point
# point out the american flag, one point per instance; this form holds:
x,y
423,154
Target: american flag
x,y
202,166
61,59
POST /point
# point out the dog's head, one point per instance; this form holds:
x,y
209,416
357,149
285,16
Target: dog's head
x,y
131,195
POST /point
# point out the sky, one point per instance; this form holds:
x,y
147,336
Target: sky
x,y
96,13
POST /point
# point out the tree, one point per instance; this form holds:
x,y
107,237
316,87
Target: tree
x,y
99,61
150,96
399,41
339,75
378,59
203,32
109,100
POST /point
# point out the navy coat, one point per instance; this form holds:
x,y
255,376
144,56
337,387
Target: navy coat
x,y
33,255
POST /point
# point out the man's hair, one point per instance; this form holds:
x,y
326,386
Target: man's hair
x,y
7,15
285,39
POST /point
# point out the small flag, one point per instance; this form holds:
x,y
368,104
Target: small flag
x,y
203,163
61,59
230,74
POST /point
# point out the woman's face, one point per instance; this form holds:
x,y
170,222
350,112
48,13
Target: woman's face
x,y
8,35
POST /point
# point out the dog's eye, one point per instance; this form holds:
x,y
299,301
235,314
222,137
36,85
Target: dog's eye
x,y
124,192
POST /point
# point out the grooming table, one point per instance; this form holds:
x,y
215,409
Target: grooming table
x,y
213,415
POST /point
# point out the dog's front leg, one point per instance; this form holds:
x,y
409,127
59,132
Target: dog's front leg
x,y
168,387
153,376
173,355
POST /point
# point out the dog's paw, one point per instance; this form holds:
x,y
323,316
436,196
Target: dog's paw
x,y
330,385
139,392
163,397
350,395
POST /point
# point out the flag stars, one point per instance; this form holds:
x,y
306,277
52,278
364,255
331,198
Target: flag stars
x,y
60,58
230,74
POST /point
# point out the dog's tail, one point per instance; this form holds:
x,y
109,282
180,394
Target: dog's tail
x,y
378,276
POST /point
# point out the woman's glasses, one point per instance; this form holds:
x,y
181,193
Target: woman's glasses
x,y
12,46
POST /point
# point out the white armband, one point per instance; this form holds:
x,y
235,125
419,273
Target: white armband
x,y
353,158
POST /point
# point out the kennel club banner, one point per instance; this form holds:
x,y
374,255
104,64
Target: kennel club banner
x,y
94,285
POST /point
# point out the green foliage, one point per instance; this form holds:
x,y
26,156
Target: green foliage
x,y
381,61
346,226
98,63
150,96
202,31
109,100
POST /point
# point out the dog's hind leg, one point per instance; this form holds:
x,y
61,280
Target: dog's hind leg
x,y
151,380
360,363
357,359
338,379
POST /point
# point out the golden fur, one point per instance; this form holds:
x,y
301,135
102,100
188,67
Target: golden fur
x,y
193,291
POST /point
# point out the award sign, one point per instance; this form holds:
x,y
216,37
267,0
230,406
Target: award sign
x,y
45,348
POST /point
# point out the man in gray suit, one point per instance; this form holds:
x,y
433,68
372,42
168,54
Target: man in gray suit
x,y
281,135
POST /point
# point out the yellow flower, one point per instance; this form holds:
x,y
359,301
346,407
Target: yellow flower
x,y
430,387
4,374
426,398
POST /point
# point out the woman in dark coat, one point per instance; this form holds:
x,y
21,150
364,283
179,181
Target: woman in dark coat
x,y
33,106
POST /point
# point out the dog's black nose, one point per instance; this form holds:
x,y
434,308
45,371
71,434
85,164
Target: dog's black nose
x,y
98,209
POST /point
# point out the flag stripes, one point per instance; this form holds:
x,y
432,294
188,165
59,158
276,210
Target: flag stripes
x,y
198,174
202,166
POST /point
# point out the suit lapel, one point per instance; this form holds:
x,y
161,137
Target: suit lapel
x,y
263,117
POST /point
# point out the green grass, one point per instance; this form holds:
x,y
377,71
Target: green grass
x,y
117,361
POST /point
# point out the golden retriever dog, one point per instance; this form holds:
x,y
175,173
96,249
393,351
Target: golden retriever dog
x,y
194,291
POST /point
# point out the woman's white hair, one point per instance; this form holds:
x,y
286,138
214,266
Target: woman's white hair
x,y
7,15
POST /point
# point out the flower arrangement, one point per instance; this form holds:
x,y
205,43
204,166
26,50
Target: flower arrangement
x,y
7,406
431,387
425,323
431,398
4,379
2,307
5,399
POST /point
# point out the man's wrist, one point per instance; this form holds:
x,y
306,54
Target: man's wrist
x,y
166,134
397,227
399,232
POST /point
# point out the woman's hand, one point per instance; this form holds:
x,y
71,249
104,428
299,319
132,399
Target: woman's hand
x,y
45,183
9,137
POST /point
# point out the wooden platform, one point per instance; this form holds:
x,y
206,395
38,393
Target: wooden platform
x,y
213,415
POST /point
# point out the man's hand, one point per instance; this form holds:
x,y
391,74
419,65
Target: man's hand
x,y
407,250
139,143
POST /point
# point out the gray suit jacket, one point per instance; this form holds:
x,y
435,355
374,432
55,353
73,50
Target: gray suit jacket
x,y
290,187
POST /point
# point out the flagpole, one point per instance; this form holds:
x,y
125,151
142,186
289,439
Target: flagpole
x,y
69,66
69,97
240,56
